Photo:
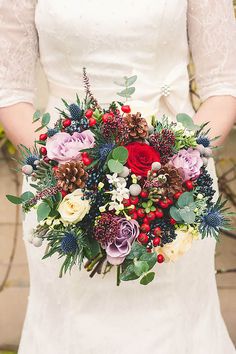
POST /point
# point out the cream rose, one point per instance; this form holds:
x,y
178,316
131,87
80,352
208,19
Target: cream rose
x,y
174,250
73,208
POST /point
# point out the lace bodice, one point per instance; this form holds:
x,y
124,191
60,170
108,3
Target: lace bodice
x,y
151,39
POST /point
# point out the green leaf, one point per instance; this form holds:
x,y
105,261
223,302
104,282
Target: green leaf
x,y
188,216
13,199
26,196
175,214
120,153
46,119
136,251
131,80
187,121
150,258
129,274
127,92
147,210
140,267
43,211
153,208
115,166
93,248
58,197
36,116
39,128
147,278
185,199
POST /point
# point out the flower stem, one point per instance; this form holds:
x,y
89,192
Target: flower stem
x,y
92,264
118,276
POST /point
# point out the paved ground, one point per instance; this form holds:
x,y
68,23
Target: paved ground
x,y
14,297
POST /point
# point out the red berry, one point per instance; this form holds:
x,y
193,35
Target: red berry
x,y
92,122
189,185
84,154
131,211
63,193
141,213
156,241
163,204
146,220
157,231
126,202
145,228
106,117
43,150
87,161
172,221
169,201
89,113
143,238
151,216
55,168
149,250
134,216
126,109
66,123
144,194
43,137
134,200
178,194
159,213
160,258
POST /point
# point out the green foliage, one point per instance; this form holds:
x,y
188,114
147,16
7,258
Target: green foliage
x,y
187,121
45,119
183,212
43,210
148,206
115,166
13,199
127,82
117,159
138,263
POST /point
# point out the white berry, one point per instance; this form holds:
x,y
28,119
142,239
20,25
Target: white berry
x,y
125,172
27,169
37,242
156,166
135,189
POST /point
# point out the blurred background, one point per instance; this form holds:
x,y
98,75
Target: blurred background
x,y
14,277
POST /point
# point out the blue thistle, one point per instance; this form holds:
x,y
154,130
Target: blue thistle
x,y
69,243
214,220
203,140
105,149
51,132
75,111
30,160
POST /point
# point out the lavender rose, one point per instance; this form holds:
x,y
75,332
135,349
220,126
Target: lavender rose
x,y
188,162
121,247
64,147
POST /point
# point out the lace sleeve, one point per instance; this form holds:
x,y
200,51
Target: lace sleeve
x,y
212,42
18,51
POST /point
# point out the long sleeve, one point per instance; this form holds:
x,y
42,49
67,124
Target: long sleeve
x,y
212,42
18,51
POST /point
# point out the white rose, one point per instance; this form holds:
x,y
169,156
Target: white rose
x,y
73,208
174,250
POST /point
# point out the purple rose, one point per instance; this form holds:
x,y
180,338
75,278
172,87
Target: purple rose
x,y
64,147
188,162
121,247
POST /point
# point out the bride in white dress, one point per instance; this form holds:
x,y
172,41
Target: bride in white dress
x,y
178,313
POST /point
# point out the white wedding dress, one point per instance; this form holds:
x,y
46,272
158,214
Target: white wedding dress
x,y
178,313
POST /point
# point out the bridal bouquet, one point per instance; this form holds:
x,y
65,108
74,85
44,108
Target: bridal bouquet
x,y
112,190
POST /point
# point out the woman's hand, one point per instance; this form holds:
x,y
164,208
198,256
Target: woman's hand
x,y
17,122
220,112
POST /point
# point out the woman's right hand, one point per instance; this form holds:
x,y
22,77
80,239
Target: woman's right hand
x,y
17,121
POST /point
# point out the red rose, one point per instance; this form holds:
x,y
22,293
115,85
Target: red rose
x,y
140,159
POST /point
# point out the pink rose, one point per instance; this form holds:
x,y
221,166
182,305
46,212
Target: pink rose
x,y
64,147
188,162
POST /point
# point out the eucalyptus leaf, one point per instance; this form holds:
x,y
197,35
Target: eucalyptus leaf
x,y
150,258
175,214
146,279
187,121
36,116
46,119
188,216
127,92
185,199
115,166
26,196
136,251
43,211
120,153
129,274
13,199
140,267
131,80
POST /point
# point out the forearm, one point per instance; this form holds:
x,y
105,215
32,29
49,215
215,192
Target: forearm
x,y
220,112
17,122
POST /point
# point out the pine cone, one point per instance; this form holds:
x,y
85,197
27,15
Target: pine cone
x,y
137,126
71,176
164,183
